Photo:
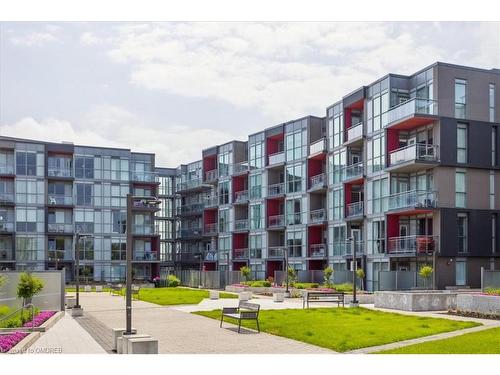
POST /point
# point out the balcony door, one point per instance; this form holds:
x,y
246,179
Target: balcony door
x,y
403,233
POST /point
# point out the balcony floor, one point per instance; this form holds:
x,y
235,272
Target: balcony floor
x,y
412,166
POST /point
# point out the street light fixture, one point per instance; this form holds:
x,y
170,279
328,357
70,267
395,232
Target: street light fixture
x,y
285,253
354,267
137,202
78,237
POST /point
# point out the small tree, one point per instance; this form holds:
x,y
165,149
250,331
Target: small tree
x,y
173,281
292,275
246,272
361,275
327,276
425,272
28,287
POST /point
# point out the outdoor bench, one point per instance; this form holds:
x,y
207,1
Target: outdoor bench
x,y
316,296
244,311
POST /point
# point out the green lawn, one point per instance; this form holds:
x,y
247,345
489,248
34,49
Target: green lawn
x,y
177,296
344,329
483,342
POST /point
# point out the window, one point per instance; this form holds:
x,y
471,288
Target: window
x,y
336,204
166,185
84,167
338,239
83,194
256,155
460,189
84,221
256,186
377,235
118,249
224,192
461,143
30,191
255,245
293,211
26,163
294,176
378,108
225,159
86,248
27,246
337,166
492,190
460,272
26,219
378,193
224,221
58,246
294,242
257,216
166,253
462,232
491,102
336,128
460,98
142,250
376,154
296,144
224,248
119,221
6,162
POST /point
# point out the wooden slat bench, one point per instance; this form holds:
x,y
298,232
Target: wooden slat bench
x,y
244,311
317,296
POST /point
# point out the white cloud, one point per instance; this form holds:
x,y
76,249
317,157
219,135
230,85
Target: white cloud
x,y
111,126
35,39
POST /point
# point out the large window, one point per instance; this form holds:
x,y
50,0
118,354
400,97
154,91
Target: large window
x,y
376,154
296,144
336,203
28,247
119,221
492,190
84,194
294,176
224,192
255,245
460,189
84,221
60,166
26,163
257,216
378,195
378,107
461,143
376,237
84,167
86,248
294,241
491,101
166,185
118,249
293,211
255,186
225,159
29,191
460,98
256,154
493,145
224,220
462,230
338,236
58,246
29,219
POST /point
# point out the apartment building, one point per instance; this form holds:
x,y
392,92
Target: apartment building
x,y
50,191
405,169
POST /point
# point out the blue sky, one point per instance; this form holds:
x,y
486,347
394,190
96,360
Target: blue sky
x,y
176,88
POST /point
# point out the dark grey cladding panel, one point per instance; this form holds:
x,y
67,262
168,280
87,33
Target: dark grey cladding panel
x,y
166,172
66,148
6,144
448,232
274,130
210,151
354,97
448,144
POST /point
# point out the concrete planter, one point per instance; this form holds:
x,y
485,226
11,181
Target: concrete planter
x,y
245,296
278,297
87,288
23,345
363,299
70,301
117,334
214,294
142,345
416,301
98,288
479,304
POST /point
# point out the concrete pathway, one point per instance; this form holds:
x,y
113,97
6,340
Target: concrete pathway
x,y
178,331
66,337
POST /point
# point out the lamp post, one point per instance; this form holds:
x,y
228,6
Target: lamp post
x,y
285,253
77,309
354,302
142,203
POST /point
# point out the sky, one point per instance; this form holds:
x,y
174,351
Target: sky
x,y
176,88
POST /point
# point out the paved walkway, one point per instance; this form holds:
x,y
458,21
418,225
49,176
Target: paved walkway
x,y
66,337
181,332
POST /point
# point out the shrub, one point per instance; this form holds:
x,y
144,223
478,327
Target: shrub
x,y
4,310
245,272
492,291
425,272
327,275
292,275
306,285
345,287
28,287
360,274
260,284
173,281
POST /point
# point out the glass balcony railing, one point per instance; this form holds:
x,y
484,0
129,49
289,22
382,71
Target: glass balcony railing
x,y
294,218
59,228
317,216
6,254
413,199
240,253
192,208
355,209
190,232
416,244
145,256
239,168
211,256
241,196
318,181
255,253
143,176
276,221
414,152
241,224
295,251
276,252
191,184
411,108
256,192
6,226
6,169
210,228
7,198
355,131
144,229
211,201
317,147
54,199
353,171
211,175
277,158
349,245
317,250
276,190
59,172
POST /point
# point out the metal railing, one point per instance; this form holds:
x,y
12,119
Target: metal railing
x,y
318,181
7,169
277,158
317,250
413,199
144,229
276,252
276,221
241,224
317,146
31,308
355,131
317,216
60,199
145,256
416,244
353,171
59,228
6,198
143,176
211,228
276,189
417,151
239,167
211,175
241,196
360,245
355,209
211,201
415,106
59,172
240,253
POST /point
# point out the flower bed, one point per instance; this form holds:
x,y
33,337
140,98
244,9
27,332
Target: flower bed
x,y
7,342
39,319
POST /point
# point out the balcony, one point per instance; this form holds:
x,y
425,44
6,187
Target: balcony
x,y
413,245
413,200
355,210
211,201
144,230
353,172
143,176
318,182
60,172
294,218
255,253
191,209
412,113
145,256
348,248
276,158
276,252
241,197
414,157
6,227
210,229
240,254
195,184
276,190
211,256
241,225
276,222
7,198
59,200
317,250
317,216
6,254
256,192
7,169
239,168
317,147
190,232
59,228
354,134
211,176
